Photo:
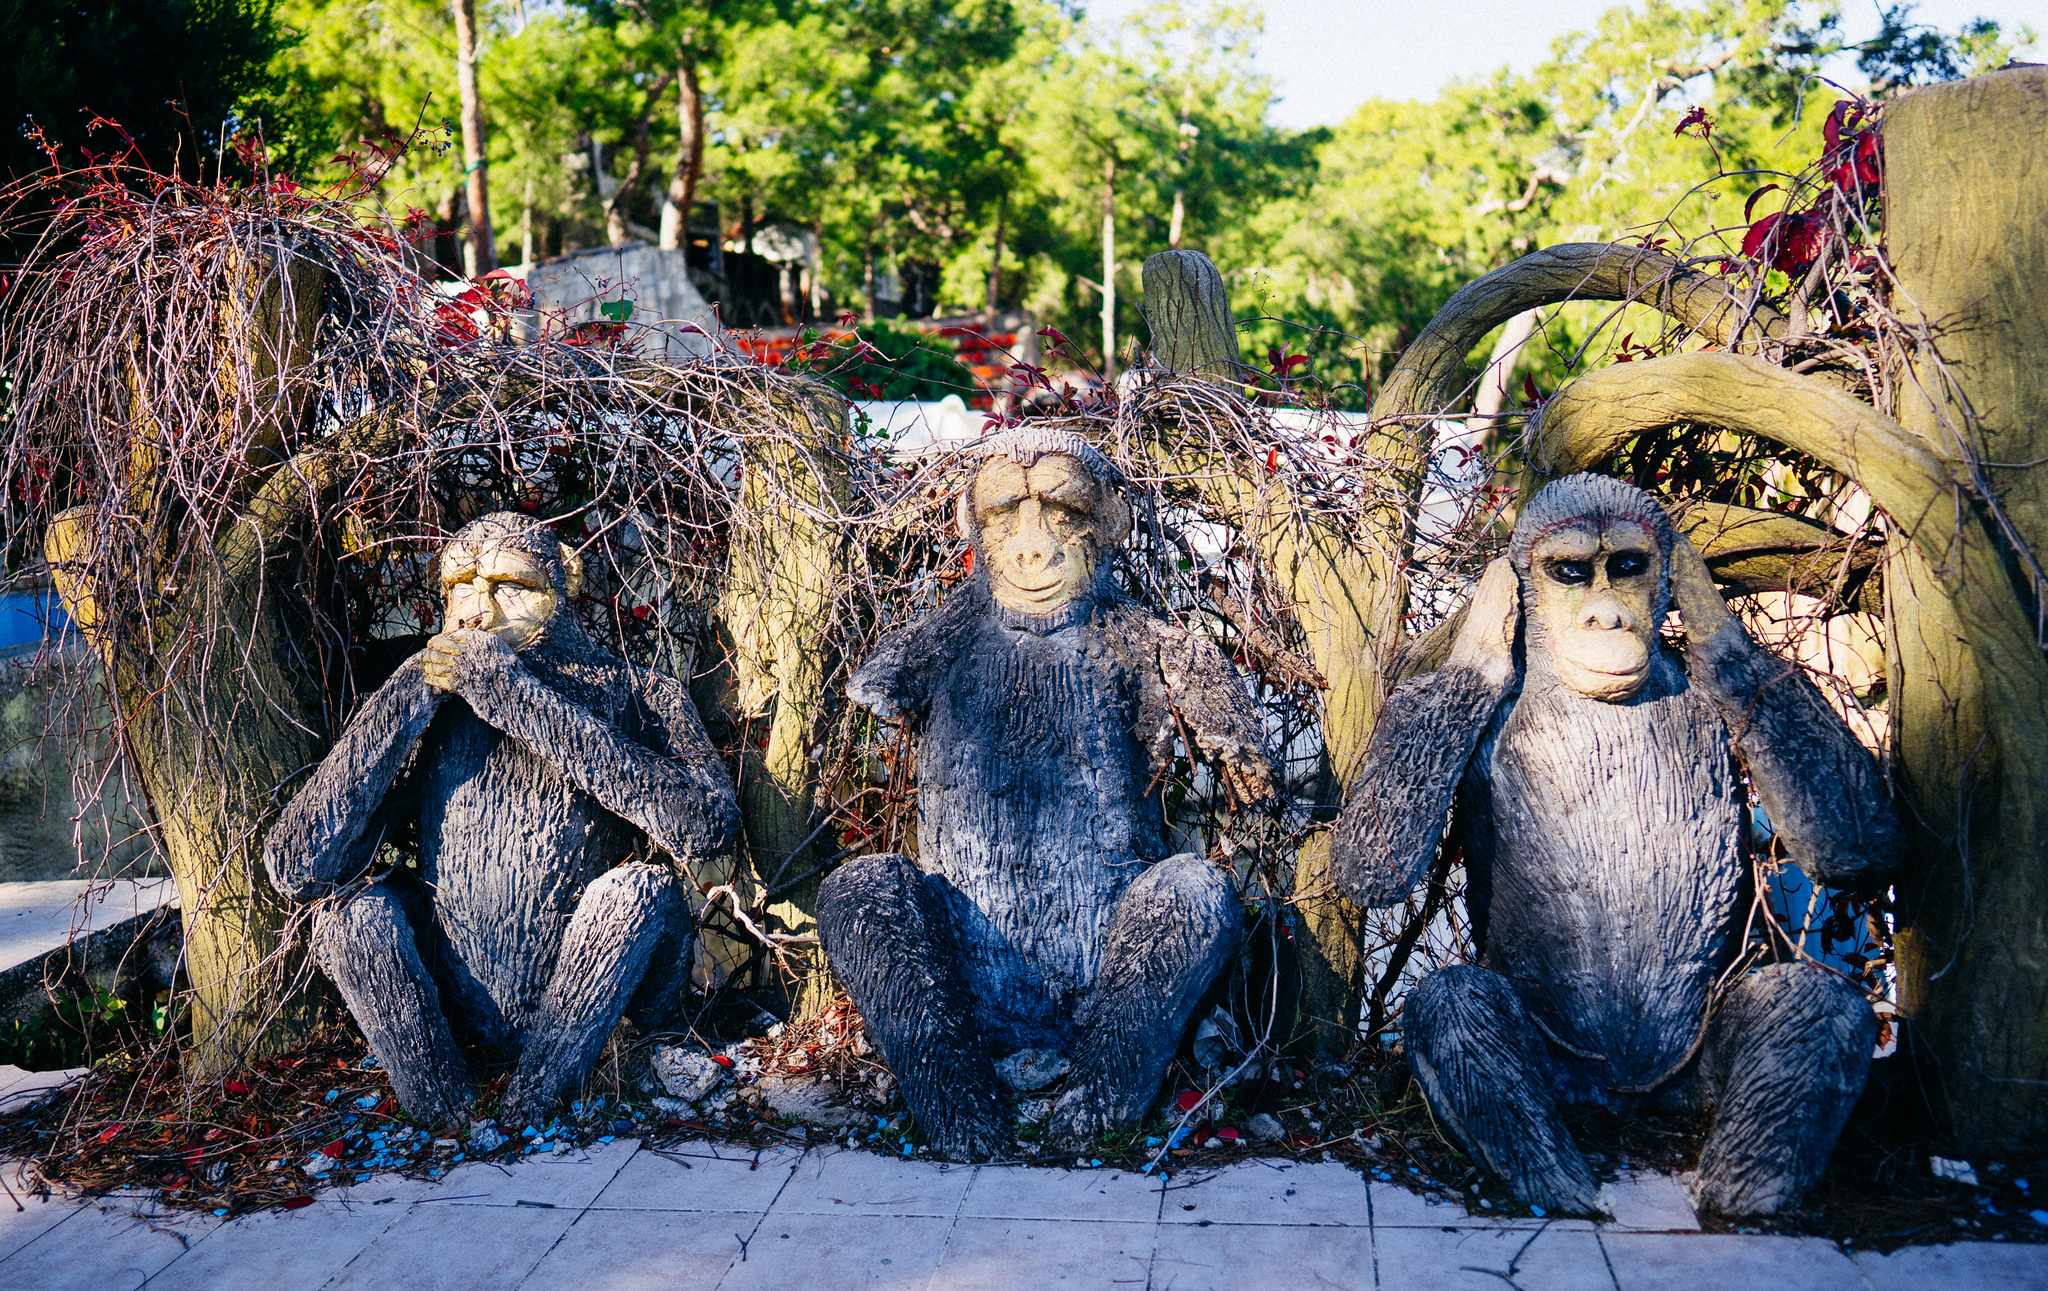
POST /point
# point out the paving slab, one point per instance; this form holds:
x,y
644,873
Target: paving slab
x,y
1733,1261
842,1182
111,1246
445,1247
640,1250
27,1217
700,1176
1021,1192
543,1180
1450,1258
1977,1266
283,1250
1268,1192
844,1254
1026,1254
1263,1257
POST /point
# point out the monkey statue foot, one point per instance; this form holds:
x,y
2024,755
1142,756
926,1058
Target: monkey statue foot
x,y
1482,1067
1786,1059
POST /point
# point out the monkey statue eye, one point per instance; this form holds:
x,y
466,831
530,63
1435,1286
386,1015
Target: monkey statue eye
x,y
1627,565
1572,571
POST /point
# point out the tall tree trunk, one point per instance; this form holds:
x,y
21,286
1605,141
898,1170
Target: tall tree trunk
x,y
682,182
480,255
1109,271
1966,186
995,267
636,170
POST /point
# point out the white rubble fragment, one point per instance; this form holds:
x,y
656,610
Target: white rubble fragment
x,y
686,1073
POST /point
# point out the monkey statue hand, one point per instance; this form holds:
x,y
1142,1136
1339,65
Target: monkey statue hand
x,y
1485,643
454,657
1694,595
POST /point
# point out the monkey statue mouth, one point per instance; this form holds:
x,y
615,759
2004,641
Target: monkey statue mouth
x,y
1603,670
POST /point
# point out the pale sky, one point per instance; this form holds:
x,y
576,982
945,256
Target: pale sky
x,y
1328,56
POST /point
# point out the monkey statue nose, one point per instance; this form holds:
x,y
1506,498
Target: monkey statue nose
x,y
1033,552
1608,615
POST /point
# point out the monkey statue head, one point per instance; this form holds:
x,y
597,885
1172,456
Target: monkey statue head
x,y
1040,512
506,574
1594,558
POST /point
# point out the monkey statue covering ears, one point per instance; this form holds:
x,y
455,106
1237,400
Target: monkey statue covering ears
x,y
1588,773
1042,911
543,776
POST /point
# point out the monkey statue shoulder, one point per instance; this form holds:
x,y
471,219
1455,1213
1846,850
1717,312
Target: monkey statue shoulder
x,y
552,789
1043,912
1585,767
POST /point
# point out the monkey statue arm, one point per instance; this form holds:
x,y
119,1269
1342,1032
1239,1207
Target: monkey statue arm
x,y
1822,789
324,837
1394,820
667,798
1200,688
894,682
673,727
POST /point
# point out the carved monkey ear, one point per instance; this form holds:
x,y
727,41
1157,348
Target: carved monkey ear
x,y
1116,516
572,570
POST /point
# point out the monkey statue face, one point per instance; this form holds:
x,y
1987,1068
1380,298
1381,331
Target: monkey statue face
x,y
1042,529
1596,587
496,584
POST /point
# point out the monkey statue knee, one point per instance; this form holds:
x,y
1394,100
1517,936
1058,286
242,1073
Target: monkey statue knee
x,y
542,776
1585,768
1042,911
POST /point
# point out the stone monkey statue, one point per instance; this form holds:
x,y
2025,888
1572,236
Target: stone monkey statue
x,y
542,774
1042,910
1602,818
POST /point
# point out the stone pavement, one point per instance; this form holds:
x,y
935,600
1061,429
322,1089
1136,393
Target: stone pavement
x,y
37,918
626,1218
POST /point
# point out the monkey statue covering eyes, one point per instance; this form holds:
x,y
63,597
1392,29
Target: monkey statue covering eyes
x,y
533,766
1602,817
1042,911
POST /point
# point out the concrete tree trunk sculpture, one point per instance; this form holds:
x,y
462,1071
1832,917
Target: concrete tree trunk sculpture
x,y
217,702
783,611
1959,475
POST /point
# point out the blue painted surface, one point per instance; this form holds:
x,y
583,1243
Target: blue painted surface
x,y
24,615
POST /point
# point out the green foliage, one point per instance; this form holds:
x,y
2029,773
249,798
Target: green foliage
x,y
935,135
171,72
897,362
77,1029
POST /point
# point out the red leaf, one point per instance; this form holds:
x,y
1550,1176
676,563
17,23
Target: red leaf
x,y
1052,334
236,1087
333,1149
295,1203
1750,205
1695,117
967,560
107,1134
1753,241
722,1060
1272,461
1187,1100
